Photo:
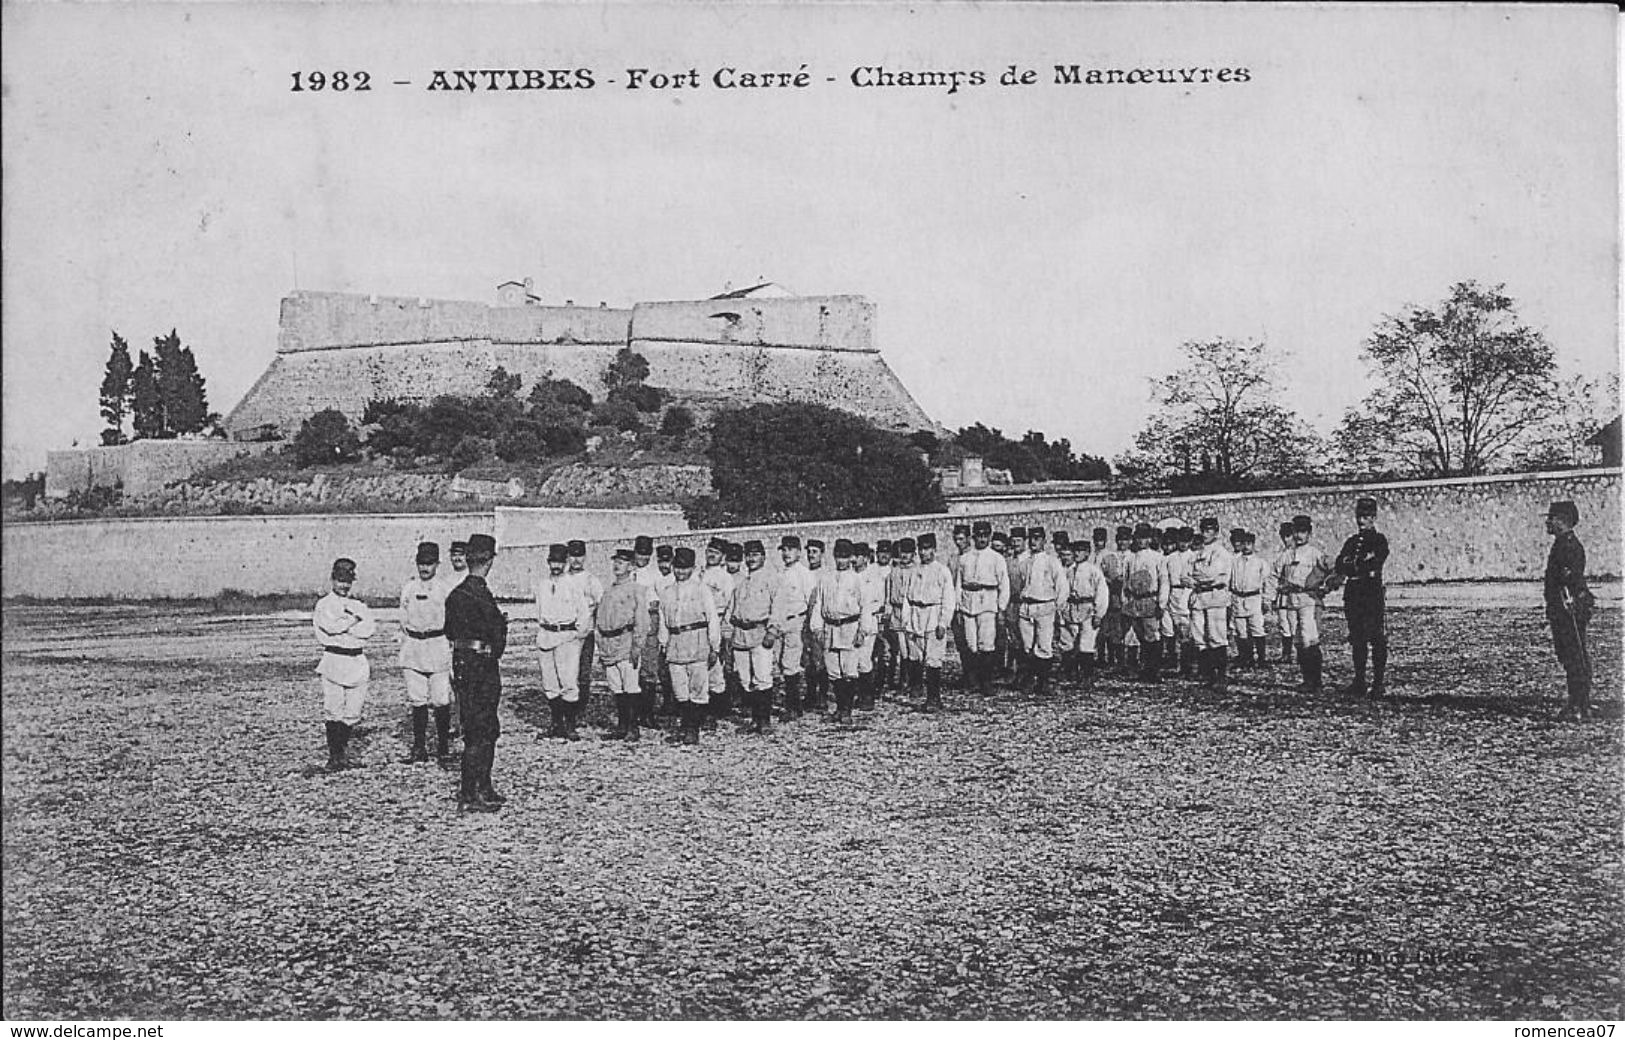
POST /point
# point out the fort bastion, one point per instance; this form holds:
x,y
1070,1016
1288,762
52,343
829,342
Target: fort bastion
x,y
339,350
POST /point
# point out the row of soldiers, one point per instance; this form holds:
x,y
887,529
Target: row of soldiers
x,y
809,632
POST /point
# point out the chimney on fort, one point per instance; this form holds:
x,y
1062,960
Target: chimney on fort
x,y
518,294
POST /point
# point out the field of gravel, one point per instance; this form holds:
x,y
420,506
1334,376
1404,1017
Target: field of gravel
x,y
173,850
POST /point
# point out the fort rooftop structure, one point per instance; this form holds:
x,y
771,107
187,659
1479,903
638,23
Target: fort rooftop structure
x,y
340,350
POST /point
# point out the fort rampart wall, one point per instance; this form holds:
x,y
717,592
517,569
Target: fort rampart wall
x,y
1458,530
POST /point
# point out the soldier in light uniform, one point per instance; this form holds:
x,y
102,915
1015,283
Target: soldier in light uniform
x,y
457,556
478,633
562,620
1179,601
1014,662
983,595
1569,603
1167,627
1306,573
1210,605
874,604
342,624
791,599
1252,584
1043,587
1364,598
1113,632
425,657
721,584
837,622
1087,599
592,587
1145,597
928,611
691,637
817,675
734,563
962,648
652,677
895,606
751,619
886,650
663,580
620,627
1286,619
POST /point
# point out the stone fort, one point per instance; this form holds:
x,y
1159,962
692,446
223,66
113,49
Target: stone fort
x,y
762,343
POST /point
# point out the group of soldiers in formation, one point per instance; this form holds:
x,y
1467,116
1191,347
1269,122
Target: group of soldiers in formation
x,y
678,639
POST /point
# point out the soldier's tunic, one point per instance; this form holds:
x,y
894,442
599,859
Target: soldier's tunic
x,y
1179,595
1286,619
812,639
873,583
563,618
983,594
343,625
653,581
836,620
1145,593
478,634
1210,596
750,616
1252,584
425,657
1568,610
592,587
1042,590
622,625
1112,563
1087,599
690,633
791,600
928,612
1302,582
721,584
1360,563
1018,568
896,604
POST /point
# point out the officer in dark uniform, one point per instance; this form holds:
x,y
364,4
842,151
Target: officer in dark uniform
x,y
1568,606
1360,564
478,633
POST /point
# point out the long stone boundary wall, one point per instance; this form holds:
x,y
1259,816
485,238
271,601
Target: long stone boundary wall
x,y
1474,529
139,468
1462,530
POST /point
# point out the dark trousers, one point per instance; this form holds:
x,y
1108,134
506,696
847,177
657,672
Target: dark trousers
x,y
1569,639
584,679
1363,603
961,647
479,689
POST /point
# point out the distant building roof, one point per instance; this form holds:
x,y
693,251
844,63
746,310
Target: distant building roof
x,y
1608,439
769,290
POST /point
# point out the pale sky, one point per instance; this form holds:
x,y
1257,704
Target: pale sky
x,y
1036,253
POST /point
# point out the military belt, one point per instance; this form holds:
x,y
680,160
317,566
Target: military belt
x,y
568,626
1034,599
1239,592
846,620
612,633
918,603
478,646
693,626
976,586
344,651
431,634
739,622
1080,599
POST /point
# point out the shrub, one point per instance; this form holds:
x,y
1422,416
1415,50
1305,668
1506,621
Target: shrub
x,y
470,451
325,438
677,423
617,413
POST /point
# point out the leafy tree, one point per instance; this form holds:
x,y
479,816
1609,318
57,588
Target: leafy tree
x,y
1460,387
641,397
115,391
325,438
1033,458
524,441
503,385
628,369
1580,407
562,393
617,413
471,451
795,461
677,423
146,403
181,389
1219,420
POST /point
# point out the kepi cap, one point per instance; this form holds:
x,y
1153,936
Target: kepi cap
x,y
344,569
428,552
558,552
482,545
1565,511
683,558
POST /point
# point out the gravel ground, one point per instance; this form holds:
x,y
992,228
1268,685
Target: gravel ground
x,y
172,850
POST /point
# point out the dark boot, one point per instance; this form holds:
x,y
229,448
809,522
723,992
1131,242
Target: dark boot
x,y
1086,670
335,750
691,723
345,730
1151,668
933,689
1244,650
844,696
623,719
1168,656
985,665
1287,654
1379,667
1221,669
1361,651
442,733
1309,662
1261,657
420,736
572,713
555,712
792,697
866,692
1041,673
488,757
1189,659
468,792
